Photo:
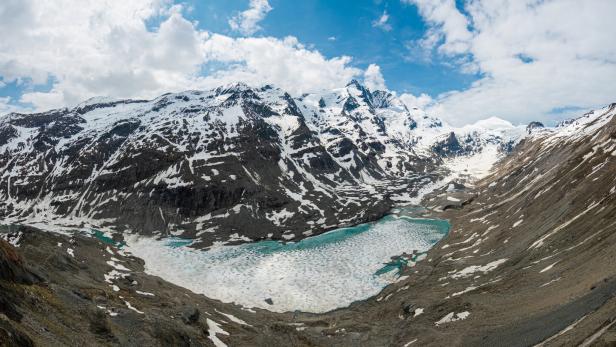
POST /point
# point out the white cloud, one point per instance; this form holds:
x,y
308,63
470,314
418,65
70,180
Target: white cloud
x,y
106,48
422,101
7,107
285,63
373,78
449,26
382,22
247,22
533,56
97,49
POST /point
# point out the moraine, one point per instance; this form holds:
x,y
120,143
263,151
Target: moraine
x,y
316,274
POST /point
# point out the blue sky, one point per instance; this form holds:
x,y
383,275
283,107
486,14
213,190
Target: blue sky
x,y
461,60
317,22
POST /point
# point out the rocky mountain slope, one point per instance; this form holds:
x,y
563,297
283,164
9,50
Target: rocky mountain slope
x,y
232,164
529,260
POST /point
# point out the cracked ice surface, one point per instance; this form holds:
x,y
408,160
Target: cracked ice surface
x,y
317,274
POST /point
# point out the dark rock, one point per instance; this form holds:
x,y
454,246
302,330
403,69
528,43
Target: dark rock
x,y
190,315
534,125
408,309
10,336
12,267
449,146
99,324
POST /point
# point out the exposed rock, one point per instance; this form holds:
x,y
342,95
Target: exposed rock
x,y
12,267
190,315
533,126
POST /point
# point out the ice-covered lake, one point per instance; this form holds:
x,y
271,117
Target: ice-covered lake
x,y
317,274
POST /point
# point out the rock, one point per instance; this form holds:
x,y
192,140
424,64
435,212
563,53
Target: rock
x,y
450,146
12,267
10,336
408,309
190,315
534,125
99,324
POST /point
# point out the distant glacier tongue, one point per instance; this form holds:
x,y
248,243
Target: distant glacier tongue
x,y
317,274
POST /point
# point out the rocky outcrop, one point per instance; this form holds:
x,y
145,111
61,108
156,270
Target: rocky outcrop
x,y
534,126
12,267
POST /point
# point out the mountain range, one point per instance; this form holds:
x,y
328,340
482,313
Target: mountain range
x,y
224,165
528,259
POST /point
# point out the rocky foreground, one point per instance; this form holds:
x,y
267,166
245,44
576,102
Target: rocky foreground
x,y
530,259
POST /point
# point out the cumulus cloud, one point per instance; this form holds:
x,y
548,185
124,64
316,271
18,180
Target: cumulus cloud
x,y
285,63
373,78
423,101
247,22
449,27
96,49
534,57
107,49
382,22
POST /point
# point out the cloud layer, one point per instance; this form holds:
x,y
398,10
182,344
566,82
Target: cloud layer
x,y
534,58
109,48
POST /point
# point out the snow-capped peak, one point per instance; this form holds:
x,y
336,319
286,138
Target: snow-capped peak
x,y
96,100
492,123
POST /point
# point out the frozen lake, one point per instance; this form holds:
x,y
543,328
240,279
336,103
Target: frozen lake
x,y
317,274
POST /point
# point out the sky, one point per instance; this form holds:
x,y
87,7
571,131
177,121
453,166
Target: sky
x,y
461,60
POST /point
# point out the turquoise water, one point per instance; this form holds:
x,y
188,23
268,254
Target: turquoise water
x,y
438,229
316,274
106,239
176,242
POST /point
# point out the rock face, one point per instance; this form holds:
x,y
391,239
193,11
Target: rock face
x,y
232,164
12,268
13,272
